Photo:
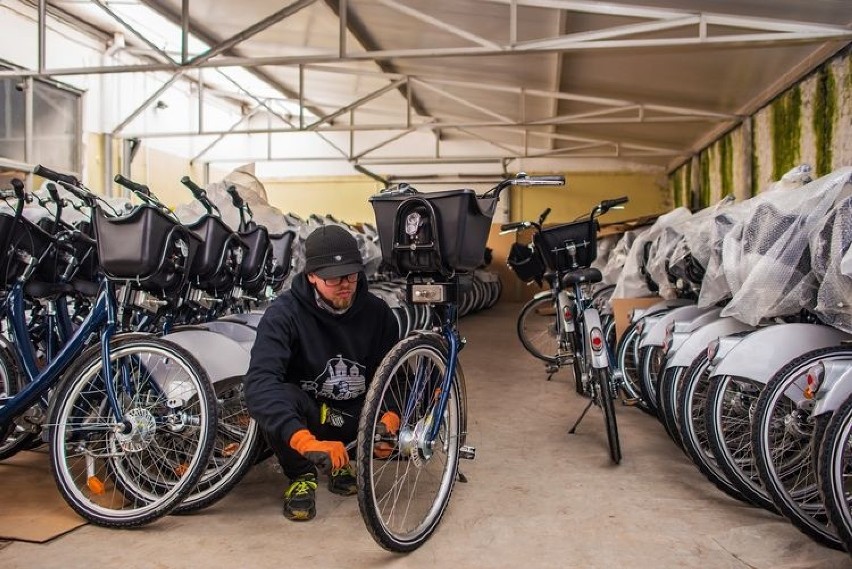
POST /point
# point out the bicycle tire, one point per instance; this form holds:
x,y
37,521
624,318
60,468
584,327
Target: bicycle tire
x,y
835,462
537,329
235,450
605,392
651,362
627,361
782,441
730,405
380,480
667,395
692,405
103,474
13,439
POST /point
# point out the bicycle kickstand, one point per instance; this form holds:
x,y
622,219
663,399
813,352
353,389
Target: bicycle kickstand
x,y
551,369
583,414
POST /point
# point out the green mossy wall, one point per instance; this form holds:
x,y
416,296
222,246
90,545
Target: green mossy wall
x,y
810,123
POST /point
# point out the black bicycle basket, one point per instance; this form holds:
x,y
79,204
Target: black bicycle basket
x,y
24,238
216,265
282,252
437,232
257,255
552,243
145,246
526,262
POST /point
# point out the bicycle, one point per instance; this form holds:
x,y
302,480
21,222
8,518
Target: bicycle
x,y
575,327
131,419
437,240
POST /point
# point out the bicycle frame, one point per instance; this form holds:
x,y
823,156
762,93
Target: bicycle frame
x,y
101,320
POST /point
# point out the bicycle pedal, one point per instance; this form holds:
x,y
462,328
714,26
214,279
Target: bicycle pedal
x,y
551,368
467,452
631,402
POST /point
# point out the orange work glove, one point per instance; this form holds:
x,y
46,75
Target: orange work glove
x,y
388,425
327,455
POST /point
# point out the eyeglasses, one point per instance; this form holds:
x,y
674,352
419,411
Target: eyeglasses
x,y
334,281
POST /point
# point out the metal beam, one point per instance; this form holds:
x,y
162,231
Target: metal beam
x,y
374,95
147,103
255,29
165,57
431,20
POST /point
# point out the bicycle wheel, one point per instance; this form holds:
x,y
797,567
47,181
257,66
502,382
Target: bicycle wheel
x,y
627,361
13,438
403,496
537,329
782,440
234,451
667,395
835,471
691,407
135,469
607,394
652,360
731,404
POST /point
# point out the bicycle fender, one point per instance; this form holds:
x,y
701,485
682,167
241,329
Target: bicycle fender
x,y
220,356
543,294
592,320
765,351
656,335
661,306
696,341
836,387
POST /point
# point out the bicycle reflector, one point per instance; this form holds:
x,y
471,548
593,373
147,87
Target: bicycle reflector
x,y
566,313
596,339
712,349
669,337
814,378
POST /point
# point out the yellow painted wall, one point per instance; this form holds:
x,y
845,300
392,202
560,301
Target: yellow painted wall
x,y
648,193
345,198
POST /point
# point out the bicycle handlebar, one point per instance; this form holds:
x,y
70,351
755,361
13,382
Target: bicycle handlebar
x,y
200,194
49,174
135,187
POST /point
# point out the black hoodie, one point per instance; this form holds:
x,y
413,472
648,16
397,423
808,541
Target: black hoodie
x,y
331,356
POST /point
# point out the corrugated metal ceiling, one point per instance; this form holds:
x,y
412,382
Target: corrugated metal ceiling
x,y
641,84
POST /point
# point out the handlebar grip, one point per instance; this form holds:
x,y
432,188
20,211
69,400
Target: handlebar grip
x,y
131,185
512,226
196,190
609,204
550,179
18,188
49,174
235,197
53,192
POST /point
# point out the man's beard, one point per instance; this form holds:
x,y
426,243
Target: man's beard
x,y
341,303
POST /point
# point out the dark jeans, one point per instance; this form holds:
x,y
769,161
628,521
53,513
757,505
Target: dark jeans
x,y
293,463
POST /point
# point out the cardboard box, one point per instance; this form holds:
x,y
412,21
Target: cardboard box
x,y
622,307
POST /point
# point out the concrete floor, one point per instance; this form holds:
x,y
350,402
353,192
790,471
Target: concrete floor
x,y
536,497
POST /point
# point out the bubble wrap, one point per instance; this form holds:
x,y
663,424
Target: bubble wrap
x,y
831,243
605,247
617,256
774,266
632,281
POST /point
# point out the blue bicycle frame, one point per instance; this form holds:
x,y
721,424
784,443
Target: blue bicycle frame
x,y
101,320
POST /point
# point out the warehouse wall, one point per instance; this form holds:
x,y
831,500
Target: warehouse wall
x,y
810,123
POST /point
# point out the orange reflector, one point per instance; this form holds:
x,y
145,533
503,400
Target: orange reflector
x,y
231,449
95,485
181,469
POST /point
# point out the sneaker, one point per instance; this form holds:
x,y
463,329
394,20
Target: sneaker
x,y
300,499
342,481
